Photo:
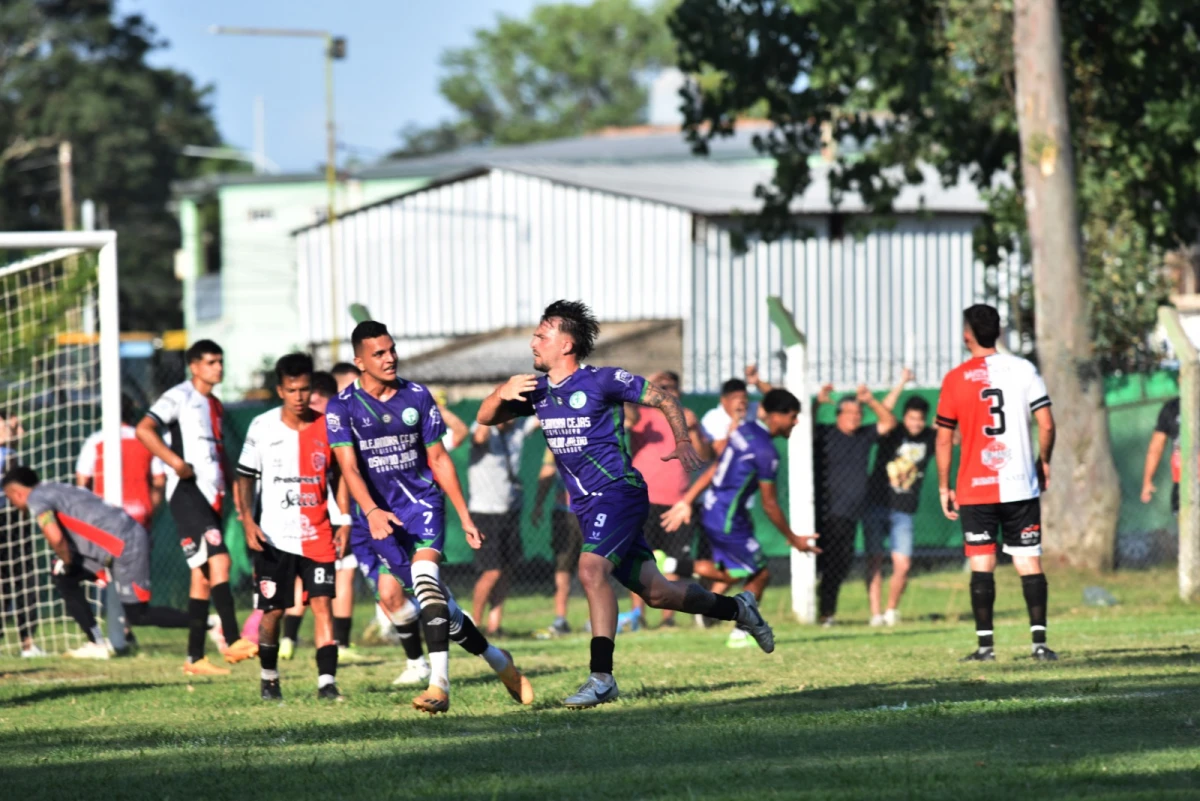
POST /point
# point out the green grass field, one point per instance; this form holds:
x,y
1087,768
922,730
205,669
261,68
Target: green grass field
x,y
851,712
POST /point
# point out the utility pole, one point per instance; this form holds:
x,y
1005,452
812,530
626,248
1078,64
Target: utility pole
x,y
66,183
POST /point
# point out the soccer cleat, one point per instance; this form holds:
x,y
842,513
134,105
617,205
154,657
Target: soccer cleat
x,y
515,682
349,655
330,692
629,621
91,650
877,621
32,652
287,648
738,638
667,623
240,650
980,655
433,701
828,622
202,667
560,627
595,691
417,673
750,621
891,617
1043,654
271,691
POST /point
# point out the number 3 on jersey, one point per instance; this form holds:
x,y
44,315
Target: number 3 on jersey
x,y
997,411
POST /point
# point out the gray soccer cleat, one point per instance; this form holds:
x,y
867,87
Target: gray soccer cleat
x,y
595,691
751,622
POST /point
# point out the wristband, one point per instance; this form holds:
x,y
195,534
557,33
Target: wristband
x,y
368,514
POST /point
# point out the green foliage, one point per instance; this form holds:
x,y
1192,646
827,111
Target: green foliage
x,y
932,81
76,70
565,70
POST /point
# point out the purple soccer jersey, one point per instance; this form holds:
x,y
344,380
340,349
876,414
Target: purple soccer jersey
x,y
750,458
390,439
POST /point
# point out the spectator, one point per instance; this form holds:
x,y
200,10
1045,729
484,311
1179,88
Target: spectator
x,y
493,475
345,374
566,540
143,476
894,492
16,550
650,439
1166,432
456,430
842,452
734,406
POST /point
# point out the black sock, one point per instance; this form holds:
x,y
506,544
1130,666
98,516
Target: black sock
x,y
78,607
602,655
222,601
291,626
341,630
699,601
435,613
197,628
1036,592
268,656
327,660
410,638
163,617
983,599
467,634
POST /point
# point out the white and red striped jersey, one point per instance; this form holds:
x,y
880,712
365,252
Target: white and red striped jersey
x,y
138,469
991,400
292,468
194,421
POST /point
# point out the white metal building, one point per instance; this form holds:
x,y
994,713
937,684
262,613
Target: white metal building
x,y
487,248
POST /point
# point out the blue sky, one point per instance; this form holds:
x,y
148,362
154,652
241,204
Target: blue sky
x,y
389,79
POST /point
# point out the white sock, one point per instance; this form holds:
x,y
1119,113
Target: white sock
x,y
495,658
382,617
270,675
323,681
405,614
420,662
439,662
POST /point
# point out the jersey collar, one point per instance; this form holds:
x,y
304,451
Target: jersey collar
x,y
552,385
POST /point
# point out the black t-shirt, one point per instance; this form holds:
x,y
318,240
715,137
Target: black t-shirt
x,y
1168,423
900,466
841,467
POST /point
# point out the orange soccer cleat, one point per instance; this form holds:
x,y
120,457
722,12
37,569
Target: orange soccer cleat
x,y
239,650
202,667
515,682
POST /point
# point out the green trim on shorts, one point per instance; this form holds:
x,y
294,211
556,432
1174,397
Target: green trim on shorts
x,y
341,444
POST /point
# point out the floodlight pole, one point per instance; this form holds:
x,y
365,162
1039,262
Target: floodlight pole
x,y
801,496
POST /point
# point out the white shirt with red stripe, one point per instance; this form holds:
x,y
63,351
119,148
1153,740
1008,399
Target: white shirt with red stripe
x,y
138,470
991,399
194,420
292,469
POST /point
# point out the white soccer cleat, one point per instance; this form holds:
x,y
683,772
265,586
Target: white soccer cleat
x,y
750,621
91,650
876,621
891,617
32,652
417,673
738,638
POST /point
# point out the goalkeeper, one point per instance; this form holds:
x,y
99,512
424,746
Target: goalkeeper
x,y
88,537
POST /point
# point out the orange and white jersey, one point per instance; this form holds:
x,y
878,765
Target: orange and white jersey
x,y
292,469
194,421
138,467
991,400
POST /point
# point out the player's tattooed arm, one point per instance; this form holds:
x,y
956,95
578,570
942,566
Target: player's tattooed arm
x,y
677,420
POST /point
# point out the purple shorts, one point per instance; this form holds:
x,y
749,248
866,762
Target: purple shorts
x,y
380,556
612,524
734,547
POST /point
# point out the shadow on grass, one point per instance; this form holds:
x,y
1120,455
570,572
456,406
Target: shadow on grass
x,y
73,691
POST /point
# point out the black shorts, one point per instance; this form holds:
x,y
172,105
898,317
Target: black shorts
x,y
199,525
501,540
675,544
566,540
1019,522
275,573
1175,499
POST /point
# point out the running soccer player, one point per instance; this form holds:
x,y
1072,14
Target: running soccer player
x,y
747,465
286,458
387,434
581,411
87,537
195,494
990,398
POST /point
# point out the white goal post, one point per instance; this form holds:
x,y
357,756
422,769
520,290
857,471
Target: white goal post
x,y
61,332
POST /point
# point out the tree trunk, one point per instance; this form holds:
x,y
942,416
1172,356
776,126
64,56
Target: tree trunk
x,y
1079,511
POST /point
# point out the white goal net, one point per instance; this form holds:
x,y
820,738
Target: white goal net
x,y
59,383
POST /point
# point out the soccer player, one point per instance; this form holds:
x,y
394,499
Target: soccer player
x,y
581,411
195,494
345,374
747,465
990,398
386,433
286,457
87,536
324,387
